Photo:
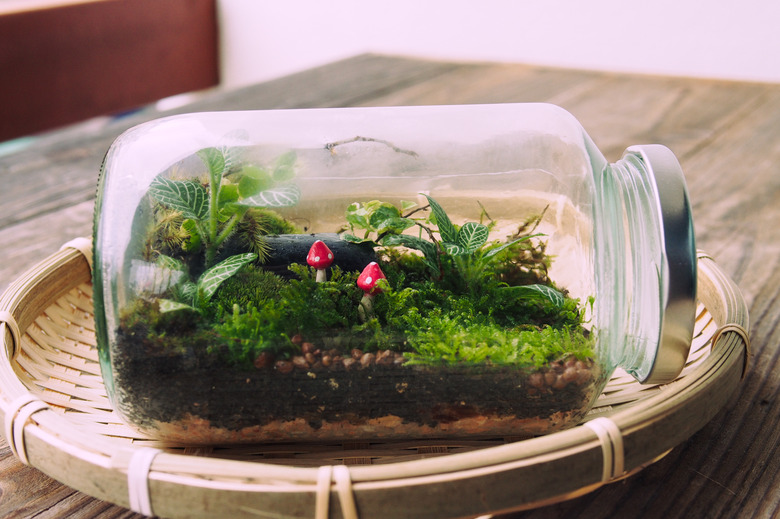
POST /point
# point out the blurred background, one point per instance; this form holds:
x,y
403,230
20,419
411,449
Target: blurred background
x,y
716,38
63,61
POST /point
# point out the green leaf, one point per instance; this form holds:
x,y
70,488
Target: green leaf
x,y
357,216
167,305
453,249
493,252
283,169
472,236
211,279
406,205
447,230
226,213
228,194
193,240
189,291
381,213
253,180
413,242
215,162
351,238
281,196
187,197
232,145
170,263
536,292
394,225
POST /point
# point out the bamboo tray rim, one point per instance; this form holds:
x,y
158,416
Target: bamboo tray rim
x,y
631,427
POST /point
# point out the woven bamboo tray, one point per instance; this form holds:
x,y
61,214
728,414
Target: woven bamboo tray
x,y
58,419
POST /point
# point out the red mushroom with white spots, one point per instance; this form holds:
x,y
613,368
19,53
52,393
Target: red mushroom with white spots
x,y
320,257
367,281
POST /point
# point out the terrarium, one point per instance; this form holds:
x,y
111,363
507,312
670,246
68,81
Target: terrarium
x,y
379,273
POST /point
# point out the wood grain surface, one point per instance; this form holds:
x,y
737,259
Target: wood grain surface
x,y
725,134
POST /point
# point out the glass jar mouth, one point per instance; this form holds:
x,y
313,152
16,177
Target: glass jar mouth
x,y
678,264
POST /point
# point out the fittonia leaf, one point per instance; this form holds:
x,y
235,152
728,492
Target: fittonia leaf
x,y
539,292
496,250
413,242
447,230
167,262
453,249
215,162
281,196
209,282
185,196
168,305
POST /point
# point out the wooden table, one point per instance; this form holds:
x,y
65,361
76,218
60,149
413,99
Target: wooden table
x,y
726,135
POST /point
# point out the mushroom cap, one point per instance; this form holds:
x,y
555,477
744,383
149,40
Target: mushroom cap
x,y
320,256
368,278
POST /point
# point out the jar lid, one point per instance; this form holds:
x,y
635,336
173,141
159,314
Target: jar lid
x,y
678,292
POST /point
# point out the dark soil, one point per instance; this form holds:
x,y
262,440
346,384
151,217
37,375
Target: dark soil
x,y
362,386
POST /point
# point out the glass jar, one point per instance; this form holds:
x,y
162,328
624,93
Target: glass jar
x,y
383,273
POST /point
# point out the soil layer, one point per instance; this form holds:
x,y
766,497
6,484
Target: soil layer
x,y
178,398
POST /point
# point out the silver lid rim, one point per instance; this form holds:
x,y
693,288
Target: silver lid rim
x,y
679,311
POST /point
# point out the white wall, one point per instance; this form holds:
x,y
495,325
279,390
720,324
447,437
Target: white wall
x,y
262,39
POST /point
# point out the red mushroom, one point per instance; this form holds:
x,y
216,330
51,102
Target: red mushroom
x,y
320,257
367,282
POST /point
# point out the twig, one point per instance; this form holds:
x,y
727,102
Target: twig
x,y
329,146
410,213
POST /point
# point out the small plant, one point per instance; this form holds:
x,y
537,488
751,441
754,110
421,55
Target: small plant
x,y
208,214
195,295
211,212
464,249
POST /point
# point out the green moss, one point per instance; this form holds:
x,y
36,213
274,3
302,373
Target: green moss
x,y
249,287
313,308
258,223
447,340
456,299
244,335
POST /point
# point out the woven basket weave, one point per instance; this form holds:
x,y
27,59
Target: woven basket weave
x,y
58,419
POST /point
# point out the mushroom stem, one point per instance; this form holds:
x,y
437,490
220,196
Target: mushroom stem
x,y
320,258
366,308
367,281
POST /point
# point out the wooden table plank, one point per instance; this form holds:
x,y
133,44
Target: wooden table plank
x,y
726,136
62,168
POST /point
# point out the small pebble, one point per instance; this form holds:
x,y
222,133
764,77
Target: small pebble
x,y
384,358
300,362
263,360
536,380
283,366
570,374
367,359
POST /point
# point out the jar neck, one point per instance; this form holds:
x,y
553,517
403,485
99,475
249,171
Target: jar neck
x,y
634,284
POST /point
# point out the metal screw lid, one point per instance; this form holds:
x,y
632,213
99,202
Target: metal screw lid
x,y
679,294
